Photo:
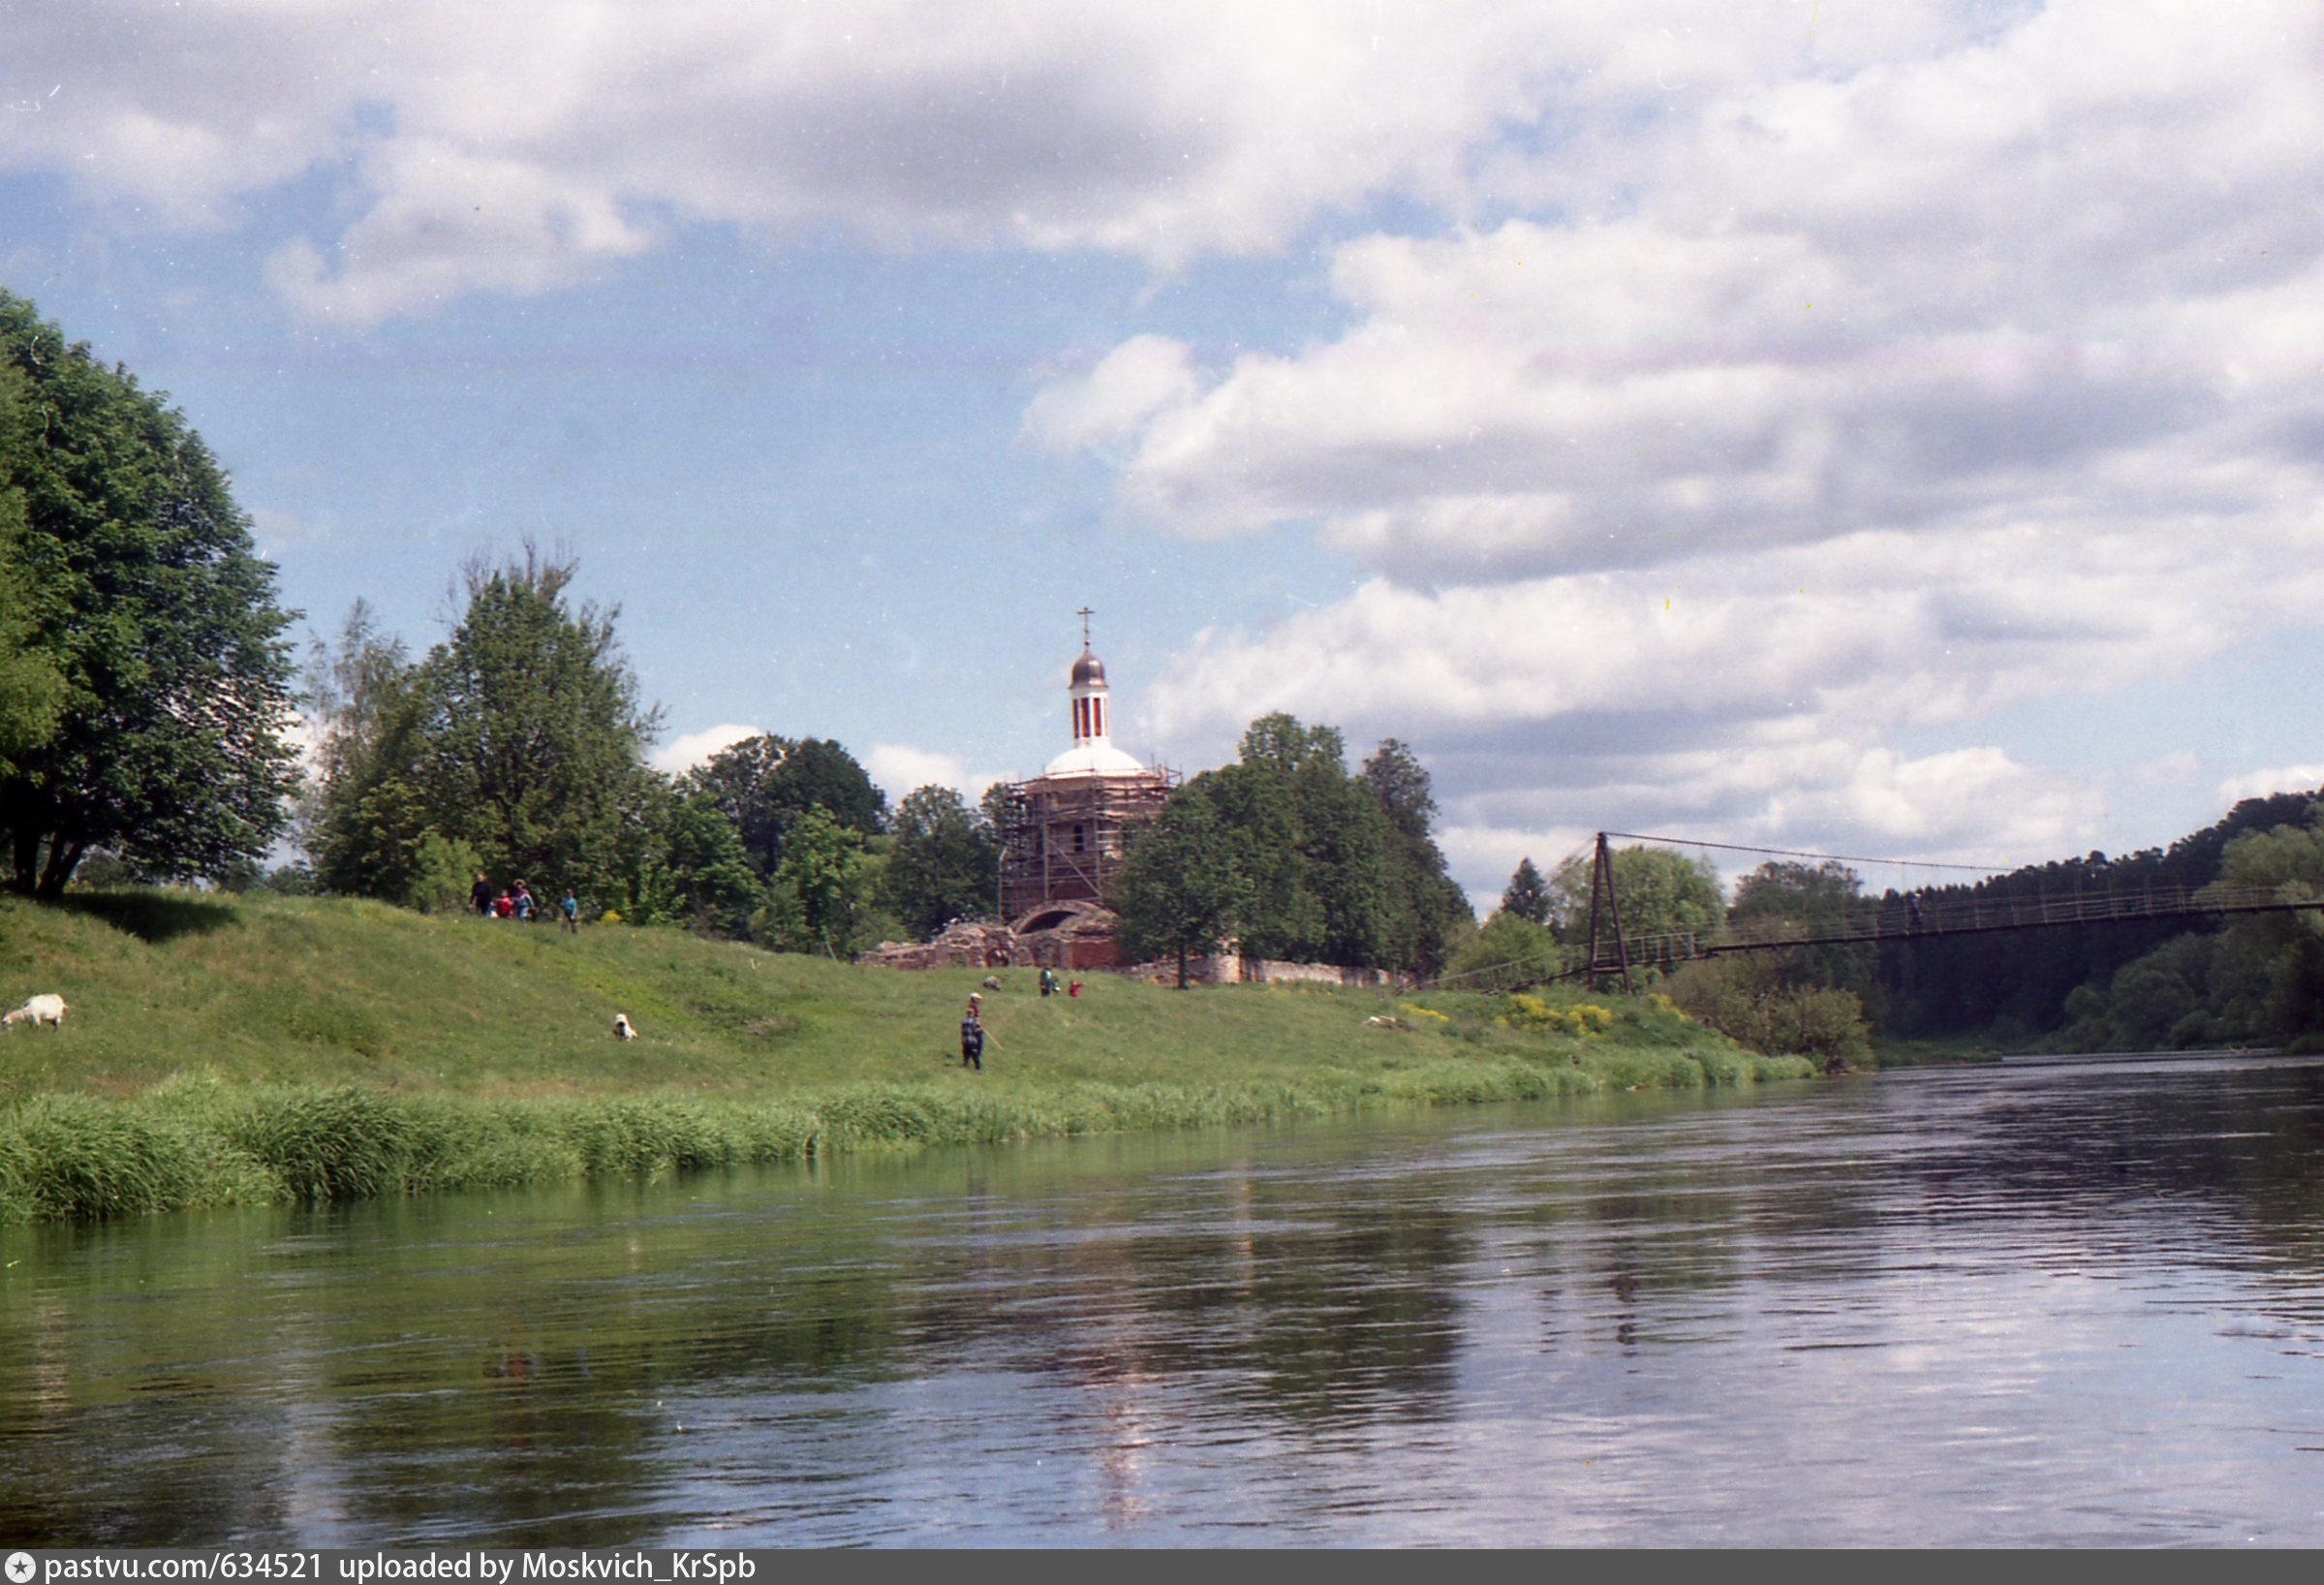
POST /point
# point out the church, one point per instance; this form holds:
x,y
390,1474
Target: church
x,y
1065,831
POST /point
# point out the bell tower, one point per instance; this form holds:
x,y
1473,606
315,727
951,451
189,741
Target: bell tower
x,y
1085,693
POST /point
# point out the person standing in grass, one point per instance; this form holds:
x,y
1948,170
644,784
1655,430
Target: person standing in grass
x,y
971,1033
569,909
479,895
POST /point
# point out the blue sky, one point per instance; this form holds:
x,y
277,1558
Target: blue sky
x,y
1885,430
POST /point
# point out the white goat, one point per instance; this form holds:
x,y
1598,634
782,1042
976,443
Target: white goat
x,y
40,1009
623,1029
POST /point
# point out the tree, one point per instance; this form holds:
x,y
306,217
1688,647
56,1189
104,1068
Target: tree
x,y
1828,893
1314,843
148,600
765,783
817,899
1279,917
530,734
1527,895
1430,909
1660,892
521,735
1184,885
2284,953
32,690
702,877
442,869
356,692
1745,997
1507,940
945,864
2019,986
1813,899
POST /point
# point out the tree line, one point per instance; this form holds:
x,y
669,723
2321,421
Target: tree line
x,y
2138,985
1289,855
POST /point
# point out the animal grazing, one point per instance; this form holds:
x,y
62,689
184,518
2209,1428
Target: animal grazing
x,y
40,1009
623,1029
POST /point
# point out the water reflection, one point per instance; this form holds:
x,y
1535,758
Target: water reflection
x,y
2025,1304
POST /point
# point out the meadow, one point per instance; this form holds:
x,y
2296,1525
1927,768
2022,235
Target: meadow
x,y
226,1050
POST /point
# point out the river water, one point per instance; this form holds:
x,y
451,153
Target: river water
x,y
2033,1303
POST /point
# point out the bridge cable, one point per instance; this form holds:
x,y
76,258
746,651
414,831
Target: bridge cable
x,y
1794,852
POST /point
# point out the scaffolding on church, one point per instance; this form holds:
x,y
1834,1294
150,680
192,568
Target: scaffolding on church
x,y
1064,839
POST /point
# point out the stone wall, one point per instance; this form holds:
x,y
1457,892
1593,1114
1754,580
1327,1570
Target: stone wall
x,y
962,946
1234,969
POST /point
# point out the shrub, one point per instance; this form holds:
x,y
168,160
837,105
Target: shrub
x,y
442,872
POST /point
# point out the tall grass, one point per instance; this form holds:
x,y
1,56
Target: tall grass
x,y
209,1143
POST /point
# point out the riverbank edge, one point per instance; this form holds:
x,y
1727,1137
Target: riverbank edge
x,y
197,1142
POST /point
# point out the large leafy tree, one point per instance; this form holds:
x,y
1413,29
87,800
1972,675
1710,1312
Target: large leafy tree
x,y
1430,910
1815,899
1659,892
149,605
1507,940
764,783
945,861
696,872
1328,867
820,898
1186,878
1316,843
521,734
358,690
32,690
531,736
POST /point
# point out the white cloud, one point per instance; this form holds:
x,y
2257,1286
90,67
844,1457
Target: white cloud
x,y
898,771
515,146
2174,769
1129,386
2260,784
682,753
274,531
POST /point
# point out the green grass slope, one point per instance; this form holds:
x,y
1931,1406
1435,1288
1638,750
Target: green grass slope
x,y
222,1049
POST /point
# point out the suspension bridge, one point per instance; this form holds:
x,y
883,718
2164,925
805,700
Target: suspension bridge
x,y
1612,953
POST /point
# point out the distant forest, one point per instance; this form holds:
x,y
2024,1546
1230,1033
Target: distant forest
x,y
2135,985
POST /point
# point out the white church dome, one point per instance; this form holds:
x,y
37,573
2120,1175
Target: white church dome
x,y
1094,757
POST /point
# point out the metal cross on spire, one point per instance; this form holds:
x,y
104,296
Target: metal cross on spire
x,y
1085,614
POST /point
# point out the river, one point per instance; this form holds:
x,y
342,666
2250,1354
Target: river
x,y
2038,1303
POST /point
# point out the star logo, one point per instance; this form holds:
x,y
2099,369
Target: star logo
x,y
21,1568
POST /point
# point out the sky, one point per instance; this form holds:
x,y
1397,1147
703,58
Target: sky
x,y
1887,430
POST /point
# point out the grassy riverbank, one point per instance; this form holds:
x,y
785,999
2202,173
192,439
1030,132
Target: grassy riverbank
x,y
228,1050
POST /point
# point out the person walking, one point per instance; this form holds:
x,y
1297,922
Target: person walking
x,y
479,895
971,1033
523,900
